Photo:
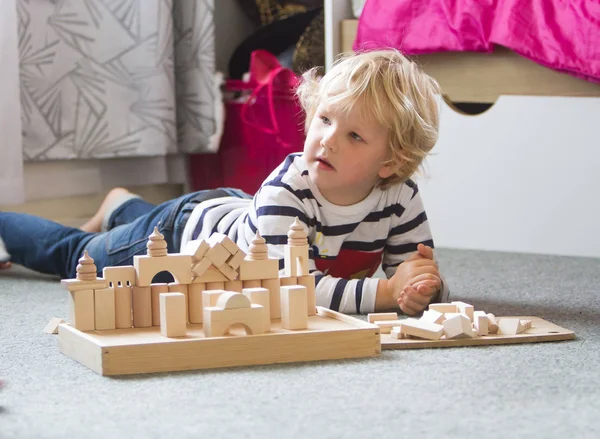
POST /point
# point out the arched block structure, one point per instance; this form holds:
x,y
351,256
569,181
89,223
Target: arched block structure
x,y
217,321
146,267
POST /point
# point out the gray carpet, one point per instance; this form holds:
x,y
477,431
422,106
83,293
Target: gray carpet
x,y
529,390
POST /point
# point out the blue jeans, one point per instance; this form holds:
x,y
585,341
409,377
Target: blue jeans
x,y
51,248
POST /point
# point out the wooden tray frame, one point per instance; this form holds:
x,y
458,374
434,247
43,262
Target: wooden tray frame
x,y
540,331
330,335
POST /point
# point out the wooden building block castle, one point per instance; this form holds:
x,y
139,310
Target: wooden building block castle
x,y
217,285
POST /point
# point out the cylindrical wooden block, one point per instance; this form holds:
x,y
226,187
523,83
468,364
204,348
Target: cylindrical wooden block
x,y
156,290
142,307
196,310
260,296
123,307
175,287
273,286
308,281
252,283
286,281
215,285
234,285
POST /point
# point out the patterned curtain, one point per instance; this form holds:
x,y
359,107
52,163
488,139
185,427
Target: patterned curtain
x,y
116,78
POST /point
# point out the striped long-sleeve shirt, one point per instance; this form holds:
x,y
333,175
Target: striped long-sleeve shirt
x,y
347,243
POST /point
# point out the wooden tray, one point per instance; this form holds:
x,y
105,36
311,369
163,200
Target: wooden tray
x,y
330,335
541,330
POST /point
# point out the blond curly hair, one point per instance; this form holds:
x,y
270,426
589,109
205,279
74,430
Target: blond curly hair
x,y
387,85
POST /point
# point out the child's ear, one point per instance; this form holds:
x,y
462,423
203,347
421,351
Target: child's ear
x,y
388,168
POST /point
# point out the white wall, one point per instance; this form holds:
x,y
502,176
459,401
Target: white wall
x,y
232,26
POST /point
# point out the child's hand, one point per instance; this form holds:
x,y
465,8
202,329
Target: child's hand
x,y
416,281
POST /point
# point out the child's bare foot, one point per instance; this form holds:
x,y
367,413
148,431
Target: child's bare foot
x,y
95,224
5,265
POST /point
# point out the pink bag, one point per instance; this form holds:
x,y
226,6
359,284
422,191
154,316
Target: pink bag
x,y
264,123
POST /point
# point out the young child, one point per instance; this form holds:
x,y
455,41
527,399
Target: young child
x,y
370,122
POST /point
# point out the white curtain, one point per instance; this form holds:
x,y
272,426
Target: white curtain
x,y
11,150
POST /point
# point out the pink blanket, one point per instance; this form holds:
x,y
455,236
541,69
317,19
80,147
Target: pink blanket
x,y
561,34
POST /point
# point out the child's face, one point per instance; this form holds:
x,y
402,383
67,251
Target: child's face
x,y
345,153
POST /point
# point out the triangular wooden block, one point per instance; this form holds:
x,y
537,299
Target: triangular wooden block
x,y
52,326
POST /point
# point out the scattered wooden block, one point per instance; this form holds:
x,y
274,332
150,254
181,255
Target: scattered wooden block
x,y
212,274
396,332
172,315
218,255
480,321
175,287
81,309
155,291
196,309
260,296
196,249
379,316
293,307
258,270
123,275
526,324
235,260
433,316
385,326
458,327
509,326
421,329
443,307
225,241
142,307
492,324
274,294
104,309
464,308
309,282
123,306
52,326
177,264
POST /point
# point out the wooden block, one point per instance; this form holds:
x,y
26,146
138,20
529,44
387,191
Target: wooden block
x,y
196,249
396,332
258,270
172,315
458,327
296,260
378,316
526,324
225,241
210,297
235,260
274,295
443,307
234,285
286,281
233,300
218,255
464,308
308,281
492,324
217,321
229,272
177,264
421,329
123,306
83,285
293,307
212,274
52,326
175,287
104,309
81,309
433,316
508,326
123,275
252,283
260,296
155,292
215,285
196,310
142,307
480,322
199,268
386,326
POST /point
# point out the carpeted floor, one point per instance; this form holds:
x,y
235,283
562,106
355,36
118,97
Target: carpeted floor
x,y
530,390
